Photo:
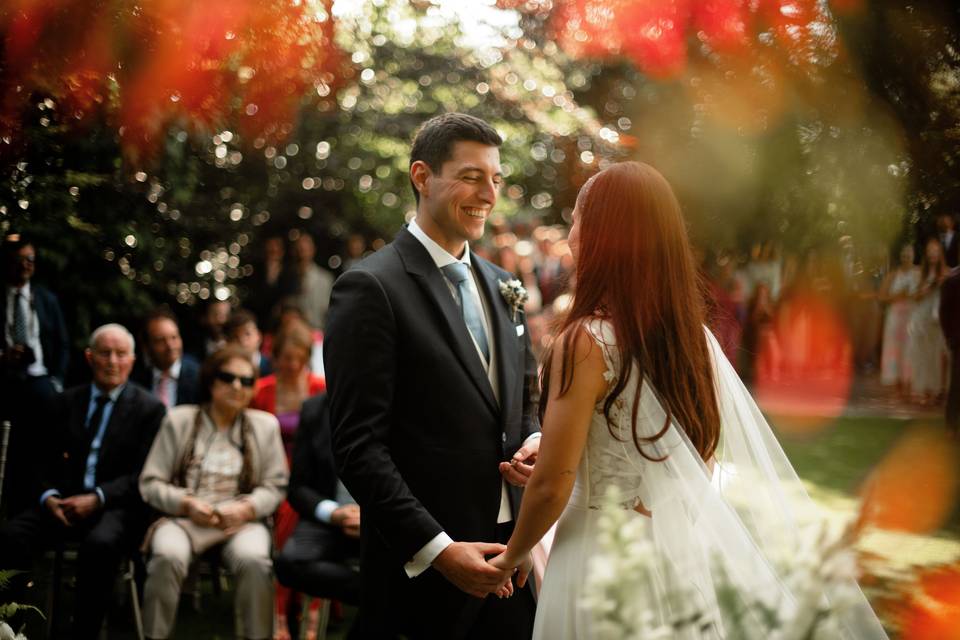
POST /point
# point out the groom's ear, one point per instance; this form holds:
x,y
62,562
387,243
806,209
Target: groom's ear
x,y
419,174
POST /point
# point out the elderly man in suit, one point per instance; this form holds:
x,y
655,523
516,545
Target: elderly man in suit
x,y
432,385
33,362
170,374
97,438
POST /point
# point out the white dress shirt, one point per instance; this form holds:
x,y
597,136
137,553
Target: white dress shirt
x,y
427,554
25,301
173,378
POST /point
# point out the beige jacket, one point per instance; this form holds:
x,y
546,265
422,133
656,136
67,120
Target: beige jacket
x,y
270,473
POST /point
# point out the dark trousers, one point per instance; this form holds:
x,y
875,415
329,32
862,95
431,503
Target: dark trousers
x,y
104,541
953,394
478,618
505,617
317,560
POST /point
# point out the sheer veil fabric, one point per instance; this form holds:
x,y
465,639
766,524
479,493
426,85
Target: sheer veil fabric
x,y
727,527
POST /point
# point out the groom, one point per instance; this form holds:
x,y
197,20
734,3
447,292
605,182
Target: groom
x,y
431,382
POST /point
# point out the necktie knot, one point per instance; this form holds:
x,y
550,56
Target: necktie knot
x,y
456,272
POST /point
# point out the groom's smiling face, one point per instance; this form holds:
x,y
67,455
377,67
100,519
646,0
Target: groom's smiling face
x,y
456,201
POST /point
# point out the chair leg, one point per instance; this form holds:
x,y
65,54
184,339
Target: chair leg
x,y
131,578
315,618
53,593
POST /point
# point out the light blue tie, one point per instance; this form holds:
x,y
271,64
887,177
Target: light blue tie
x,y
458,273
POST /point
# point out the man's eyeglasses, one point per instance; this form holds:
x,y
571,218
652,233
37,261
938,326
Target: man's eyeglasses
x,y
228,378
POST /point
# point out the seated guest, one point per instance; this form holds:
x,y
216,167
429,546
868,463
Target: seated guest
x,y
172,375
316,558
97,437
216,471
282,394
242,329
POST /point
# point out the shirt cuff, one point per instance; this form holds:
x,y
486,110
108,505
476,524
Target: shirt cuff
x,y
532,436
46,494
425,557
325,509
99,492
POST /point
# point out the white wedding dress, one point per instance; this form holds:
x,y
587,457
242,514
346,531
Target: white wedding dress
x,y
697,529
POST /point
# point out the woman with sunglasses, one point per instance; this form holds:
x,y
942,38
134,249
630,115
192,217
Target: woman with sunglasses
x,y
216,470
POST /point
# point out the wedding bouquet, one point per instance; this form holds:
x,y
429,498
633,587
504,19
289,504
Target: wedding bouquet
x,y
631,593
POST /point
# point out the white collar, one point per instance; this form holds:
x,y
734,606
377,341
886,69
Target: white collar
x,y
441,257
174,370
24,290
114,393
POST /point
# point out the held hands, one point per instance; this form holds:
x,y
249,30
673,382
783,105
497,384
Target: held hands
x,y
517,471
71,510
233,515
464,564
200,513
347,518
522,567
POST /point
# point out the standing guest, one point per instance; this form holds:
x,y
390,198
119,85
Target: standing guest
x,y
317,557
432,384
216,471
97,438
356,247
315,282
170,374
242,329
898,291
761,346
271,282
283,394
33,361
926,350
950,323
947,234
208,337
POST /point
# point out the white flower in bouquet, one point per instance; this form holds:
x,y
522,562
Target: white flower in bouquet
x,y
629,587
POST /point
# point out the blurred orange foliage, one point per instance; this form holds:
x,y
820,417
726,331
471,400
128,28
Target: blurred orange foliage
x,y
655,34
214,63
933,612
914,488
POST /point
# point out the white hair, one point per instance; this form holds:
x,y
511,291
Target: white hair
x,y
113,326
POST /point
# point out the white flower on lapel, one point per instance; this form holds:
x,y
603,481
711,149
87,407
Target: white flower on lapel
x,y
515,295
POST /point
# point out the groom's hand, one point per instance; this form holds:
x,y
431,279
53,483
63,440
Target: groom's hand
x,y
518,470
464,564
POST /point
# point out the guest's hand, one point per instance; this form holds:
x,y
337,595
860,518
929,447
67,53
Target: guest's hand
x,y
464,564
234,515
517,471
523,567
200,513
80,507
52,504
347,518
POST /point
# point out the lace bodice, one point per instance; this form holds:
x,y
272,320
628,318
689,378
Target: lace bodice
x,y
610,458
905,281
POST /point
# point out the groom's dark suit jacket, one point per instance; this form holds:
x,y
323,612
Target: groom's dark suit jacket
x,y
417,431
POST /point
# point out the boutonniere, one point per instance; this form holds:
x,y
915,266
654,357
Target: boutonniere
x,y
515,295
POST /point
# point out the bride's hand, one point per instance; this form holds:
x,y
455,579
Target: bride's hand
x,y
523,567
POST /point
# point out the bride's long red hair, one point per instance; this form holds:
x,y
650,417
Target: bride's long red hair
x,y
636,269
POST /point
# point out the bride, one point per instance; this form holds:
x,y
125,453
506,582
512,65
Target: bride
x,y
639,399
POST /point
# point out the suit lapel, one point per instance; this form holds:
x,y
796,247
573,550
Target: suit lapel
x,y
504,334
78,418
419,264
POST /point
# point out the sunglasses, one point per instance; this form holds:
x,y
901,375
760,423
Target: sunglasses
x,y
228,378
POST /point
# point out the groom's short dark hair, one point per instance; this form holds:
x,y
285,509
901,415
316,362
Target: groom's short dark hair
x,y
434,141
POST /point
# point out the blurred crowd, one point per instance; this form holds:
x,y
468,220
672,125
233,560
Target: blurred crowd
x,y
193,433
